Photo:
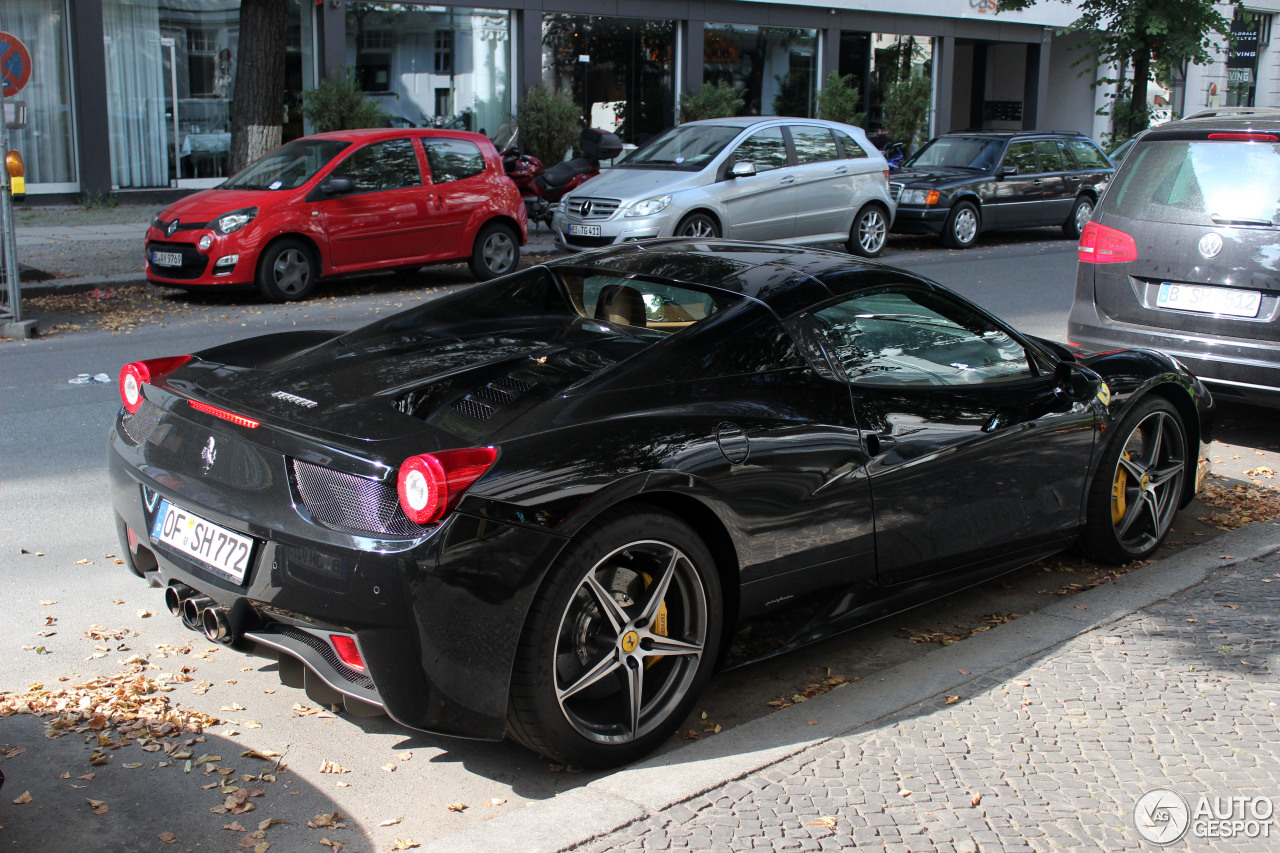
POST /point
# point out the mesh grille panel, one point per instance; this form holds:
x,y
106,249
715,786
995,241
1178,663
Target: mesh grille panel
x,y
496,395
513,384
326,651
474,409
141,423
347,502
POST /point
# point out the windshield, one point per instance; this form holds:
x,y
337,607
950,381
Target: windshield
x,y
287,167
958,152
686,148
1200,183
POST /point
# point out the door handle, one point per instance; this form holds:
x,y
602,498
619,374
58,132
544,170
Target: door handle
x,y
789,179
842,170
878,443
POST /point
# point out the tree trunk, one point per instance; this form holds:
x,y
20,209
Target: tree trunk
x,y
1138,116
257,111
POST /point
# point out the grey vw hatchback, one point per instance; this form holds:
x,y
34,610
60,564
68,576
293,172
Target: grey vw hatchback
x,y
1183,254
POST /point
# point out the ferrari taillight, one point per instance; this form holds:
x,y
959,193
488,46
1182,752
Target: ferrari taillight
x,y
430,484
1101,244
138,373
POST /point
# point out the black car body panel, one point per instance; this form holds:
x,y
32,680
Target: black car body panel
x,y
1196,198
1039,187
807,486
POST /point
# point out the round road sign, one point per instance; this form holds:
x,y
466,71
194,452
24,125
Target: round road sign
x,y
15,64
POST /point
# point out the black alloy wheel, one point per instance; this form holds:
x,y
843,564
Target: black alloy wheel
x,y
619,642
1139,483
287,271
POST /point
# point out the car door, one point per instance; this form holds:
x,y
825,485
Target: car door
x,y
1058,181
826,193
977,451
760,206
383,220
1016,201
457,191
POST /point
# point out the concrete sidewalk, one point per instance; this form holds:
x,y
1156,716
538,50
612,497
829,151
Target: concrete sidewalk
x,y
1038,735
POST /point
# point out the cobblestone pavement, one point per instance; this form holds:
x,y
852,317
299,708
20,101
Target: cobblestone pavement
x,y
1047,754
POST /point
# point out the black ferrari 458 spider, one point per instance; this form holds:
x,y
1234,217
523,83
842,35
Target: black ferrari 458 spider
x,y
538,507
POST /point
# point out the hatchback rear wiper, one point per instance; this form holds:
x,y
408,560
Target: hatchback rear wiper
x,y
1231,220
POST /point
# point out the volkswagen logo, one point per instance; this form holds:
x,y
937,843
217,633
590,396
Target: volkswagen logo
x,y
1211,244
584,209
171,227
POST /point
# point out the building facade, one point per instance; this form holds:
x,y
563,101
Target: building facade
x,y
133,96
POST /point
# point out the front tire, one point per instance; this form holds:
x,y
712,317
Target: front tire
x,y
962,226
619,642
1138,486
497,251
1081,213
869,233
286,271
698,225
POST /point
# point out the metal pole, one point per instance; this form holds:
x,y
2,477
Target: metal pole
x,y
8,236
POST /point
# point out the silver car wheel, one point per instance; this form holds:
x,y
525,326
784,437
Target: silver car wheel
x,y
630,641
698,226
499,251
872,232
1084,212
965,227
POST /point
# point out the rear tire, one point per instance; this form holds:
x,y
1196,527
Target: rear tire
x,y
962,227
287,271
1138,485
870,232
497,251
618,643
1081,213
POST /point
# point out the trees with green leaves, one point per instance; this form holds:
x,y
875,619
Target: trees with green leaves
x,y
715,100
840,100
1144,35
338,103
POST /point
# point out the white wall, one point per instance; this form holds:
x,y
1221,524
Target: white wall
x,y
1072,101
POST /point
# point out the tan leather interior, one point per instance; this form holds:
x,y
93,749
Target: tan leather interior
x,y
619,303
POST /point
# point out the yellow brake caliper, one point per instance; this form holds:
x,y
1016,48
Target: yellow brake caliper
x,y
1117,492
659,621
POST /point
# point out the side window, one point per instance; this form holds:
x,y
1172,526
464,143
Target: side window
x,y
813,144
1051,159
852,150
1022,155
907,335
764,148
1087,154
452,159
385,165
1067,157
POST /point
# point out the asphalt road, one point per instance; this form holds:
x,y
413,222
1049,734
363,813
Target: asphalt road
x,y
59,545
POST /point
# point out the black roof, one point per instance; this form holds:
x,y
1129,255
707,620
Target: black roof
x,y
1009,134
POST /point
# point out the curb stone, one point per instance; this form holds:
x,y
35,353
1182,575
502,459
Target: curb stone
x,y
645,789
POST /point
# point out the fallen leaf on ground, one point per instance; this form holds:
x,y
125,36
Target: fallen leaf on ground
x,y
391,822
457,807
234,826
951,700
404,844
23,799
977,798
263,826
167,837
330,767
828,822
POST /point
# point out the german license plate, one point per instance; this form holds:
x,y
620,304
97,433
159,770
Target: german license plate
x,y
1230,301
213,545
584,230
166,259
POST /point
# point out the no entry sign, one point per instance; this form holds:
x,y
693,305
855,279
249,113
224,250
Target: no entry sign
x,y
15,64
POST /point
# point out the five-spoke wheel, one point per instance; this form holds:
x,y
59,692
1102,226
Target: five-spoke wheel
x,y
1139,484
619,643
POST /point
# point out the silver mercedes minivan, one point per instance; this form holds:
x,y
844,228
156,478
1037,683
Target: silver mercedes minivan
x,y
760,178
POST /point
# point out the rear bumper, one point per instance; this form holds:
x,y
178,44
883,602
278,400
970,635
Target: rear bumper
x,y
1233,368
436,618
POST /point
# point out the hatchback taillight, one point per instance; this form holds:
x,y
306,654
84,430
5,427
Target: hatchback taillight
x,y
430,484
138,373
1101,244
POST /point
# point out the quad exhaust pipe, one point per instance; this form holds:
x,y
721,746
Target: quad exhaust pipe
x,y
213,621
175,596
199,612
192,609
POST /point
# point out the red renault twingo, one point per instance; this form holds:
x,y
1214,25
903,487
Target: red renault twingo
x,y
343,202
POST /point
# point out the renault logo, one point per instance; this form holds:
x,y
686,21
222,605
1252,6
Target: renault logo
x,y
171,227
1211,244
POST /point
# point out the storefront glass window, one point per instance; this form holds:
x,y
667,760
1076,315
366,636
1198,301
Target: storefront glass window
x,y
434,66
171,71
618,69
47,144
895,58
1242,58
774,68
